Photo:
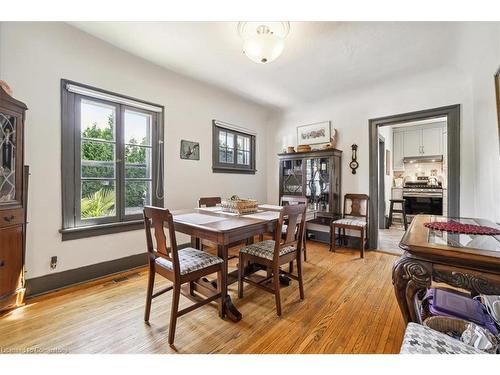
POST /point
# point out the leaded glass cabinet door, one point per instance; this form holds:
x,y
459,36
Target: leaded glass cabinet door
x,y
318,179
292,179
10,162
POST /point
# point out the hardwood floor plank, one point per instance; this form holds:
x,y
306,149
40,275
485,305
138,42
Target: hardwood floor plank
x,y
349,307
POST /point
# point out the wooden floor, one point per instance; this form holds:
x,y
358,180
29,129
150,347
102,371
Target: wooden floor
x,y
349,308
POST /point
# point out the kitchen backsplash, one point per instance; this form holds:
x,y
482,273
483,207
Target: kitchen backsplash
x,y
413,170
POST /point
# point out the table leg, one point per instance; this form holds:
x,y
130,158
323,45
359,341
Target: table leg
x,y
409,277
231,311
195,242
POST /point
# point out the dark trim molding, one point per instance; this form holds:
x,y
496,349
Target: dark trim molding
x,y
55,281
76,233
452,113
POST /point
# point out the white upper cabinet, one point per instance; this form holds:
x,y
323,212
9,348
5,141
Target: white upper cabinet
x,y
397,151
415,141
432,143
412,142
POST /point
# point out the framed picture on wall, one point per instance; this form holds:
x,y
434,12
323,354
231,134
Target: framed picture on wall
x,y
313,133
190,150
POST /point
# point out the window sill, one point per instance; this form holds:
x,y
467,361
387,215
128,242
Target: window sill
x,y
69,234
233,170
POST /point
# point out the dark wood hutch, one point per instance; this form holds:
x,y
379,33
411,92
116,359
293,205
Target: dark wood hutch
x,y
317,176
13,188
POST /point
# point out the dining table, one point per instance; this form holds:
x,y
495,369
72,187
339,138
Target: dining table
x,y
439,249
223,229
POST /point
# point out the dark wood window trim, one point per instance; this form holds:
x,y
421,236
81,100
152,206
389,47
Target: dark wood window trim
x,y
71,226
235,167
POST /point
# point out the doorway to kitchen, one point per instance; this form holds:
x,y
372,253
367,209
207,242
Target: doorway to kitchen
x,y
415,161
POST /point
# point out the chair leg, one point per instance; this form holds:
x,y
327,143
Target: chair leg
x,y
333,238
149,292
173,313
290,267
344,237
305,249
362,242
299,274
276,281
241,269
220,301
261,237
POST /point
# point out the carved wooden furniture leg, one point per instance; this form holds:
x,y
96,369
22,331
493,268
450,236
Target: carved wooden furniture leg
x,y
231,311
410,276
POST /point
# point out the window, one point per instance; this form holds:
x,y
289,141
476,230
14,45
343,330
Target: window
x,y
233,149
111,160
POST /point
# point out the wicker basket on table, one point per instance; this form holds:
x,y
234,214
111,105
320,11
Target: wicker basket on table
x,y
239,206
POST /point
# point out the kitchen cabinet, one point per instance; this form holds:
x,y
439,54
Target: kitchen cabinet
x,y
431,141
412,142
397,152
415,141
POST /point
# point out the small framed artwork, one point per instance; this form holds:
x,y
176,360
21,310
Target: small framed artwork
x,y
313,133
190,150
387,162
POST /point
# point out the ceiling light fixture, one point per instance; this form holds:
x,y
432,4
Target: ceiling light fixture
x,y
263,42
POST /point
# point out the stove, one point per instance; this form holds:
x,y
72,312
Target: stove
x,y
422,198
422,188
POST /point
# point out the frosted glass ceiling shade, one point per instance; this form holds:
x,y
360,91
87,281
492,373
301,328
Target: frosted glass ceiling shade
x,y
263,45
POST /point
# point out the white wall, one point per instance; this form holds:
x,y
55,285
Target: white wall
x,y
467,79
350,112
33,59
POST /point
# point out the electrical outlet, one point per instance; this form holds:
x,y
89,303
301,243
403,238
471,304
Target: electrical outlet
x,y
53,263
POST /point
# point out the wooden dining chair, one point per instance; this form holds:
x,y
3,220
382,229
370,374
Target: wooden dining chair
x,y
275,253
179,266
294,199
355,217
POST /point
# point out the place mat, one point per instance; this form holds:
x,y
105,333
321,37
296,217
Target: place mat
x,y
210,209
198,218
270,207
265,215
456,227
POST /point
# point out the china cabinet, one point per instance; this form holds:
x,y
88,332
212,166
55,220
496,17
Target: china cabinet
x,y
317,176
13,185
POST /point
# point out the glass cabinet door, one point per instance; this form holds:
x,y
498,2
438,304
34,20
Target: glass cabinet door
x,y
7,158
292,177
318,183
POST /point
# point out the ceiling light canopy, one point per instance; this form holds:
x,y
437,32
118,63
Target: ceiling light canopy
x,y
263,42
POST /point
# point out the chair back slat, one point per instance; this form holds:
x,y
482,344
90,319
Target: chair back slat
x,y
356,205
155,221
296,216
209,201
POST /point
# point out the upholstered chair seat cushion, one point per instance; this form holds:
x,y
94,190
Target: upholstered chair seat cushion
x,y
419,339
265,249
356,223
191,260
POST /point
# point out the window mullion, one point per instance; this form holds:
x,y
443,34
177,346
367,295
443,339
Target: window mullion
x,y
120,164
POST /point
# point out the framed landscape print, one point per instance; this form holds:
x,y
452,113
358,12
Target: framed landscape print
x,y
190,150
314,133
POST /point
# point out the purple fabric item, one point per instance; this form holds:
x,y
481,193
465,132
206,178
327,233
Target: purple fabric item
x,y
447,303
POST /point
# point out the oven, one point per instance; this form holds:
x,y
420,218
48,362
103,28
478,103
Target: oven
x,y
423,201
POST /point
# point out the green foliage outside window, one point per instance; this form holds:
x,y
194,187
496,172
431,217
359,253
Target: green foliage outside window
x,y
98,161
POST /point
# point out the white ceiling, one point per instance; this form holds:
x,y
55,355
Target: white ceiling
x,y
320,58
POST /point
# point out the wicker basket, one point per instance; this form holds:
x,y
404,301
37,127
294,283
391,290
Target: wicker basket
x,y
451,326
239,206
